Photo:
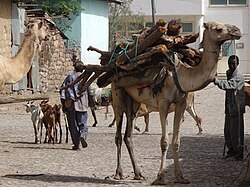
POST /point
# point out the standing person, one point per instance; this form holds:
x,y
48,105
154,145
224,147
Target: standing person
x,y
75,106
234,109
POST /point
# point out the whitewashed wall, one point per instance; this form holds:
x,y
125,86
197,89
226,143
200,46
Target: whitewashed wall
x,y
198,12
95,29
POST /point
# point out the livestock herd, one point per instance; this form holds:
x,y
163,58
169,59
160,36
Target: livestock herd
x,y
48,116
45,115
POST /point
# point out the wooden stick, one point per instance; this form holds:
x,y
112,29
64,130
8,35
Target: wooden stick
x,y
147,42
84,85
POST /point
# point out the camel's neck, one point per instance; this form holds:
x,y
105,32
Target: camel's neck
x,y
19,65
27,51
193,79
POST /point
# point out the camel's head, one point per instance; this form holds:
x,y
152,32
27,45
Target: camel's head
x,y
38,29
219,32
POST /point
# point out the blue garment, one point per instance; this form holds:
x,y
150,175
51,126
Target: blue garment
x,y
78,116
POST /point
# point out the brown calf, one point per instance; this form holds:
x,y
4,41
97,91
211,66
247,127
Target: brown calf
x,y
49,121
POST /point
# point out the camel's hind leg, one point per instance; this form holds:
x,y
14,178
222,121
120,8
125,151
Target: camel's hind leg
x,y
179,111
163,112
190,109
132,107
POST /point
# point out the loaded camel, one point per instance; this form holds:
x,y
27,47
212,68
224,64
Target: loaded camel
x,y
15,68
181,80
186,77
215,34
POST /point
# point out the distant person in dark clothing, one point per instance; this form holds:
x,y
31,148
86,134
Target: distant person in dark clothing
x,y
234,109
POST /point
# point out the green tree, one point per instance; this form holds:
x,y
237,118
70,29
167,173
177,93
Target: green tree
x,y
123,21
56,7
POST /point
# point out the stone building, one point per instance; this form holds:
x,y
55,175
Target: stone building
x,y
53,61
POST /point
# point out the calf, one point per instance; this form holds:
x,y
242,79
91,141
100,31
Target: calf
x,y
49,121
57,112
36,118
52,119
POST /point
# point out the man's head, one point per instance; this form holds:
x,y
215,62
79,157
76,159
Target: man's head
x,y
233,62
78,65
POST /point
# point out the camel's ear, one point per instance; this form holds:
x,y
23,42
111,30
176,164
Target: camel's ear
x,y
206,25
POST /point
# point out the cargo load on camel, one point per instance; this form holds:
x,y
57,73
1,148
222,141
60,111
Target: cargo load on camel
x,y
146,61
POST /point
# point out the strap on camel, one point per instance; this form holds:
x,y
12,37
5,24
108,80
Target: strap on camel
x,y
176,62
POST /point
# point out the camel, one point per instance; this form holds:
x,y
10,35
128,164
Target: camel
x,y
143,111
15,68
181,80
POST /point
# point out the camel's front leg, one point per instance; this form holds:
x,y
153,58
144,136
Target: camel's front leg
x,y
163,111
179,111
128,135
118,107
118,142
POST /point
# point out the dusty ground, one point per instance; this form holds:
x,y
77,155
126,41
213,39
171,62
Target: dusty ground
x,y
23,163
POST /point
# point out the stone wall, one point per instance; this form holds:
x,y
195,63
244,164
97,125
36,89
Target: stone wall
x,y
5,30
55,62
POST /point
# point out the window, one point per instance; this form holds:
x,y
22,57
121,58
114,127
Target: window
x,y
187,27
227,49
227,2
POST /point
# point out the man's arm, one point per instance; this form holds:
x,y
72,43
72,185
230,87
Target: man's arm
x,y
236,82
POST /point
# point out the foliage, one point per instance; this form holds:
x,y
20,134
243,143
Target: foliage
x,y
57,7
123,21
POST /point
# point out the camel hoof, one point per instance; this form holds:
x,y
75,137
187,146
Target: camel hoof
x,y
181,180
139,177
111,125
160,180
118,177
145,132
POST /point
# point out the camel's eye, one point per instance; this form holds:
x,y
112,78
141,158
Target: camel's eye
x,y
219,29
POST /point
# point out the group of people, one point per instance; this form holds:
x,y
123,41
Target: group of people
x,y
75,106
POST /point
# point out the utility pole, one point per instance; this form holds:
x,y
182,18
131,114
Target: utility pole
x,y
153,11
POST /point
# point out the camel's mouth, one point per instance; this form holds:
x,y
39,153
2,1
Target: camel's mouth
x,y
236,37
235,32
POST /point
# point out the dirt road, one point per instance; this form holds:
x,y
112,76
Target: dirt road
x,y
23,163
